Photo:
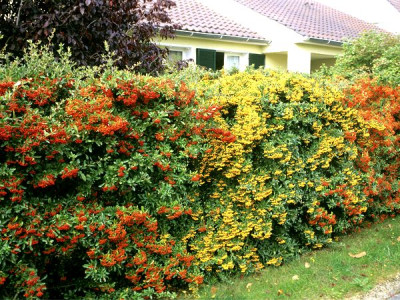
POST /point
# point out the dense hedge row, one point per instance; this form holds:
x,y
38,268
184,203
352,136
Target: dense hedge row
x,y
93,180
132,187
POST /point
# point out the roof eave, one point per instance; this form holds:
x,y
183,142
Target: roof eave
x,y
324,42
221,37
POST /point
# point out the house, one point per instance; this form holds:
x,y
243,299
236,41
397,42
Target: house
x,y
294,35
213,40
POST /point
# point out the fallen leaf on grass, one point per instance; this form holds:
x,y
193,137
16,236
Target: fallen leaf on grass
x,y
295,277
398,239
213,291
346,278
306,265
358,255
248,286
280,292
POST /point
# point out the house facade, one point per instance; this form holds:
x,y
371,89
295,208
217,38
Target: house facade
x,y
293,35
213,40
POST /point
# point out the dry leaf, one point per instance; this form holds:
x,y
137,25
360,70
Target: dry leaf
x,y
213,291
307,265
295,277
398,239
249,285
358,255
280,292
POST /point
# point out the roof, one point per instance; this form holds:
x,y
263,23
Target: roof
x,y
395,3
312,19
196,17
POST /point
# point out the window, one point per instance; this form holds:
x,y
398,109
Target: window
x,y
232,61
175,56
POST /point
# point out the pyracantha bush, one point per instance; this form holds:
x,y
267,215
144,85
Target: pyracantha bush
x,y
96,184
287,181
379,155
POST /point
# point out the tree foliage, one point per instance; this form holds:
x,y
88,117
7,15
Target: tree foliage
x,y
128,26
373,54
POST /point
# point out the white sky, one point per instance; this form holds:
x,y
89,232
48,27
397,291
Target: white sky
x,y
379,12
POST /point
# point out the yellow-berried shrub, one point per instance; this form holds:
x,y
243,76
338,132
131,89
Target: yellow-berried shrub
x,y
287,181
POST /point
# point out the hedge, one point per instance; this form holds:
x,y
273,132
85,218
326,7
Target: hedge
x,y
96,185
126,186
288,181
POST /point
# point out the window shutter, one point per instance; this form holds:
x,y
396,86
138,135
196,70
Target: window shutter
x,y
206,58
258,60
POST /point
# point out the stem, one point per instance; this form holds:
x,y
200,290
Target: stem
x,y
19,12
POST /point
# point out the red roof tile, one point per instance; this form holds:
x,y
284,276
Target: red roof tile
x,y
395,3
311,19
194,16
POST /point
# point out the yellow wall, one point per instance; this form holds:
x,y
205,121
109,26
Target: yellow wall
x,y
301,56
321,49
276,61
215,44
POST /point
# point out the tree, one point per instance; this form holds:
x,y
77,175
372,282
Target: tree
x,y
128,27
373,54
388,66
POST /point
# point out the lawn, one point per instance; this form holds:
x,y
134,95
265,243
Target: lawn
x,y
353,264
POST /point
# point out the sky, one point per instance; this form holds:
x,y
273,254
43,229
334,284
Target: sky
x,y
379,12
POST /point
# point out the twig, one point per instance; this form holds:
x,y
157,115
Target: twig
x,y
19,12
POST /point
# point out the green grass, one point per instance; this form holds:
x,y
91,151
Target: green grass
x,y
332,272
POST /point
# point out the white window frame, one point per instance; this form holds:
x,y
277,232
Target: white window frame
x,y
234,65
187,52
243,59
177,51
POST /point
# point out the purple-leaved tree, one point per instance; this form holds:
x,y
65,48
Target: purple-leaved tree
x,y
128,26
